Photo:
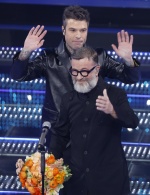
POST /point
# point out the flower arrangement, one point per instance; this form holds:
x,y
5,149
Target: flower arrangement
x,y
29,173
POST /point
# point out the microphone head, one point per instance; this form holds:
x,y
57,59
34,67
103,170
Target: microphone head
x,y
46,124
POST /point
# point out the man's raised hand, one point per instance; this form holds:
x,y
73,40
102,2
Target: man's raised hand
x,y
34,39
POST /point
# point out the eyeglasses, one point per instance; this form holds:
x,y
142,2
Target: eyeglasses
x,y
83,73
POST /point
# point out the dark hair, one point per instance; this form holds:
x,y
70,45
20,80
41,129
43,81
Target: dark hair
x,y
76,13
85,52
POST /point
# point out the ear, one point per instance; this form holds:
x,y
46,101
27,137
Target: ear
x,y
63,30
97,69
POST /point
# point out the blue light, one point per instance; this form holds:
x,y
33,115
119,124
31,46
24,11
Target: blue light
x,y
130,100
136,143
147,130
15,138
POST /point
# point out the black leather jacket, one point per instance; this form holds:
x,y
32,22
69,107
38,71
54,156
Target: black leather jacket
x,y
53,64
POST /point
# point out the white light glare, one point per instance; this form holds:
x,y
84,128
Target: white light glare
x,y
29,97
148,103
129,129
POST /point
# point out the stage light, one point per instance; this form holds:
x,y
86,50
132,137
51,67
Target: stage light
x,y
147,130
29,97
129,129
148,103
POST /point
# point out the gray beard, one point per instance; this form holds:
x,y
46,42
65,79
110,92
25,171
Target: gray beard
x,y
86,86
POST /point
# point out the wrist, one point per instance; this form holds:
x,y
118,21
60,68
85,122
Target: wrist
x,y
24,54
129,62
113,113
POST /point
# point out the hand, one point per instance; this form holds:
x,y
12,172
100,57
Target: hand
x,y
34,39
103,103
124,49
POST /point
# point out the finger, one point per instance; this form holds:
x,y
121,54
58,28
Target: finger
x,y
105,93
36,29
100,104
100,97
100,107
114,48
31,31
43,34
126,36
40,30
100,100
119,37
131,39
122,36
41,43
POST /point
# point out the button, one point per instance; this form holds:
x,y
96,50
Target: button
x,y
87,170
86,119
87,102
85,152
84,135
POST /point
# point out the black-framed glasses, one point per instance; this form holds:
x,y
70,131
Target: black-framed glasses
x,y
83,73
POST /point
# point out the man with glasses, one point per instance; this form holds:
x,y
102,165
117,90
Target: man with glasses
x,y
91,117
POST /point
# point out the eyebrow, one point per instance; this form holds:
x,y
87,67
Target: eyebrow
x,y
77,28
81,69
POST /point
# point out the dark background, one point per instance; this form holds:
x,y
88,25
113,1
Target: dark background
x,y
107,18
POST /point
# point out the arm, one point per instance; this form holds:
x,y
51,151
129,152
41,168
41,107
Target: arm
x,y
127,71
33,41
118,107
21,68
103,104
124,49
113,69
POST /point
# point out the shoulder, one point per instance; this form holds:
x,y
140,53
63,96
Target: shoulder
x,y
48,51
101,52
48,54
102,55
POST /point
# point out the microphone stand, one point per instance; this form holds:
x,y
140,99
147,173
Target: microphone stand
x,y
41,149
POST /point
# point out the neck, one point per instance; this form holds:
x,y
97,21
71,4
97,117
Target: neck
x,y
69,48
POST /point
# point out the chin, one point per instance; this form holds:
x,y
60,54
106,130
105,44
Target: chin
x,y
78,47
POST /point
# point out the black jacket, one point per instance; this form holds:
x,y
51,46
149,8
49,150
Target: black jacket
x,y
96,158
53,65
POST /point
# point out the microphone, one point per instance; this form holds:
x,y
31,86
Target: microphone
x,y
45,128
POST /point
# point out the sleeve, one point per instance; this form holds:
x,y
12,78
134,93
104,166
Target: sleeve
x,y
27,70
124,112
113,69
60,135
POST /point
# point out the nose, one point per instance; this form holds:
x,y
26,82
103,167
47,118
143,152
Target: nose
x,y
78,34
79,76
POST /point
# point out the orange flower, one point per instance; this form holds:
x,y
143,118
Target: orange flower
x,y
38,191
35,168
50,159
49,173
31,189
23,181
53,184
55,171
31,178
22,175
59,178
34,181
24,168
29,163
